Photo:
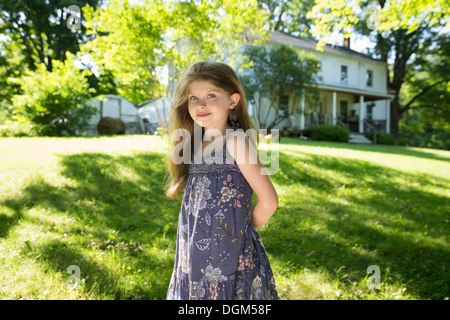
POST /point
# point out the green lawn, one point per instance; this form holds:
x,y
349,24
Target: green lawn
x,y
99,204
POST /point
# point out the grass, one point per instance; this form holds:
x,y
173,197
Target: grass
x,y
99,204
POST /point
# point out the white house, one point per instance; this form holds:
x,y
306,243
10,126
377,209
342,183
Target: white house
x,y
352,89
115,107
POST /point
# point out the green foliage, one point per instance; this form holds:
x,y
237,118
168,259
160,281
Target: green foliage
x,y
135,41
438,139
11,66
417,129
289,16
39,27
161,131
214,30
410,15
54,102
127,42
20,127
382,138
276,71
328,133
426,95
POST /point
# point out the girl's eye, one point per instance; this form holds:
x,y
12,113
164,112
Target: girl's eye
x,y
193,98
211,95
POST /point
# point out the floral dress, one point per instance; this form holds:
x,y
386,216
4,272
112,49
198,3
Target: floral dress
x,y
219,254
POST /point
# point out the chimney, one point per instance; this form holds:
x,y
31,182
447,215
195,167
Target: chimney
x,y
347,42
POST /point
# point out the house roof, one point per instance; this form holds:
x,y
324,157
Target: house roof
x,y
310,44
368,95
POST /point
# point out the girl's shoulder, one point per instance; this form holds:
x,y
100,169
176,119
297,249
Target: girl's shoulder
x,y
238,144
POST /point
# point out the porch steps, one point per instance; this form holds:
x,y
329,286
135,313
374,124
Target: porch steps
x,y
358,138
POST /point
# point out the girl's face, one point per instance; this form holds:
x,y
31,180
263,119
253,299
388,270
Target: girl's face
x,y
209,105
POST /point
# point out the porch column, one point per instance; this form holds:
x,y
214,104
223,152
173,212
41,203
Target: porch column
x,y
361,114
388,116
302,113
334,108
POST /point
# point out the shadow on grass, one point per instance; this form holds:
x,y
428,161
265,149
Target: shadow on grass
x,y
108,205
391,149
10,215
359,217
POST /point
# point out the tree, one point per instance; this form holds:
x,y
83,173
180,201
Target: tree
x,y
126,40
426,121
34,33
395,32
11,66
428,85
54,102
276,72
136,41
39,28
288,16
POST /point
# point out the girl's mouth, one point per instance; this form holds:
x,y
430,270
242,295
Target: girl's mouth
x,y
203,115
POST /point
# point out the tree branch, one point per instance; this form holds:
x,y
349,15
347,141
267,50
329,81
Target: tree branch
x,y
428,106
408,105
277,25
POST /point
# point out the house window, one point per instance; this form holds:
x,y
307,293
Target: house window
x,y
344,74
369,78
284,105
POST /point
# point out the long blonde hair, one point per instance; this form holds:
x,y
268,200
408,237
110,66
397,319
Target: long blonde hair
x,y
222,76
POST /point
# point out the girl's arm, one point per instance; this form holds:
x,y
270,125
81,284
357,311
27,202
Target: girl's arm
x,y
248,162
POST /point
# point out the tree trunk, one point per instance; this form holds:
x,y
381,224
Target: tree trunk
x,y
395,115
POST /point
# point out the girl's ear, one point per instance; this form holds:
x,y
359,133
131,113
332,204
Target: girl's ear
x,y
234,100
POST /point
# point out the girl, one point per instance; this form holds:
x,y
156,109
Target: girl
x,y
219,254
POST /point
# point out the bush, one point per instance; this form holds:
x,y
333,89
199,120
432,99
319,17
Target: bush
x,y
382,138
438,139
19,128
54,102
418,128
328,133
161,131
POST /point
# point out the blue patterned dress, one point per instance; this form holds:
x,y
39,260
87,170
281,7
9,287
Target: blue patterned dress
x,y
219,254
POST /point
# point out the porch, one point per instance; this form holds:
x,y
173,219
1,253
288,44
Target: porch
x,y
355,110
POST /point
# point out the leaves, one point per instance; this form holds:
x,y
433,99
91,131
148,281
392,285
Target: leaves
x,y
39,28
137,40
208,219
336,15
55,102
228,234
203,244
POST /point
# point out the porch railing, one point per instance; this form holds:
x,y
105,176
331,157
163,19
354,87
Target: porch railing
x,y
316,118
372,128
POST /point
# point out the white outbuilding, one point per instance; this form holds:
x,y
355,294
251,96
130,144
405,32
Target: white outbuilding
x,y
115,107
154,114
